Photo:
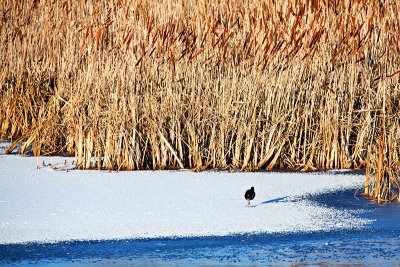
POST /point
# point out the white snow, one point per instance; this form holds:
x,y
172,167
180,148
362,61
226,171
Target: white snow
x,y
44,205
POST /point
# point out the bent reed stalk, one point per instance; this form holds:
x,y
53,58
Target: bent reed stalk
x,y
128,85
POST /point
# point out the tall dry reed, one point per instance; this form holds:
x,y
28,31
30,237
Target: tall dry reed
x,y
194,84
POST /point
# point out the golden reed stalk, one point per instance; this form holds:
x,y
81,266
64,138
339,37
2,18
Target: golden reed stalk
x,y
195,84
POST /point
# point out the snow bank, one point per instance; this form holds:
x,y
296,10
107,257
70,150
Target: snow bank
x,y
46,205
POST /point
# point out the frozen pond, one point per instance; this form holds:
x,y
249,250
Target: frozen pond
x,y
91,218
377,244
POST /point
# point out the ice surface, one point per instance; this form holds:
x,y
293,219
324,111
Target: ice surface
x,y
44,205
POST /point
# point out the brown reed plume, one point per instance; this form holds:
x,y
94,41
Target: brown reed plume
x,y
196,84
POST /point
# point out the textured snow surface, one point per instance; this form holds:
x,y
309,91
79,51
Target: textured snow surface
x,y
45,205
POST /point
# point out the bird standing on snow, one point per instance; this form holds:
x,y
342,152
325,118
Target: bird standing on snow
x,y
250,195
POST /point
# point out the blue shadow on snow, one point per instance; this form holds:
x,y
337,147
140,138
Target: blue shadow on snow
x,y
271,201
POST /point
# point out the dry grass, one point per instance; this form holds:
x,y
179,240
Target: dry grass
x,y
194,84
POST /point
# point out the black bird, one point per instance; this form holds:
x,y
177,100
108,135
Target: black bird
x,y
250,195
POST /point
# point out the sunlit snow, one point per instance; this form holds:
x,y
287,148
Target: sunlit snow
x,y
46,205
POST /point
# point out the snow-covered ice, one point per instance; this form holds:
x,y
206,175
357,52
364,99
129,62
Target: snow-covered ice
x,y
44,205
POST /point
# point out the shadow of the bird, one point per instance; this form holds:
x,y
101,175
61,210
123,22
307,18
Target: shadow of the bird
x,y
279,199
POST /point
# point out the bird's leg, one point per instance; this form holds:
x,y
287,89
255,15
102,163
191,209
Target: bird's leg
x,y
248,204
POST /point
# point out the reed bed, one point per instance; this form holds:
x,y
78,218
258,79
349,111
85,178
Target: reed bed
x,y
127,85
